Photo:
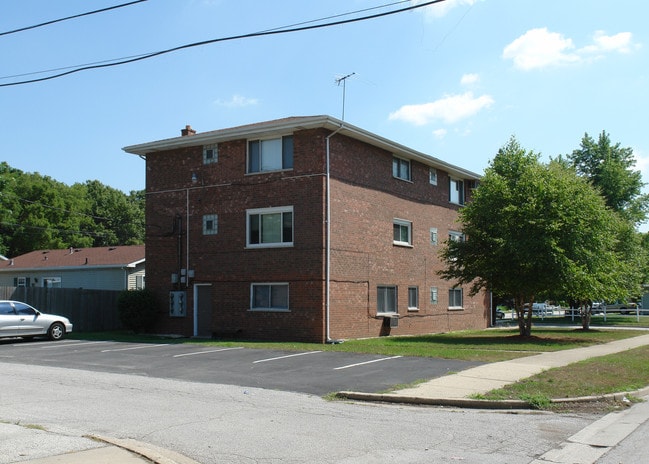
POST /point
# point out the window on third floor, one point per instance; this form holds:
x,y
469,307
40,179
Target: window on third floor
x,y
456,191
401,168
270,154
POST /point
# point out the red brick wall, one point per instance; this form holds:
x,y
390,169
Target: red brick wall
x,y
365,200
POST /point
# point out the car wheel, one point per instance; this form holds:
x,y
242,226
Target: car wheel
x,y
56,331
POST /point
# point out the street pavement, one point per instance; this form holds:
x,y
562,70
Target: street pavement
x,y
585,447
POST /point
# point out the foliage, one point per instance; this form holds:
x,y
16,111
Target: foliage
x,y
535,228
137,310
38,212
610,168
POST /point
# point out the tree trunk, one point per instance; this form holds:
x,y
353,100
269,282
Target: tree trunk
x,y
586,313
524,322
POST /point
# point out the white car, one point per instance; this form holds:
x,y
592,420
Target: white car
x,y
18,319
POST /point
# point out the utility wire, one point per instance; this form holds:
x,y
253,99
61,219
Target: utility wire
x,y
276,31
47,23
145,54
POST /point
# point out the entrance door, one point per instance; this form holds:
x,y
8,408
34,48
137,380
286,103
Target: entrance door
x,y
203,310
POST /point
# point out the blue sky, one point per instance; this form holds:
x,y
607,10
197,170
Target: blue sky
x,y
454,80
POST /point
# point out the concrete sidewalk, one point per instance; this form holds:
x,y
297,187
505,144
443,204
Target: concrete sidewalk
x,y
455,389
85,450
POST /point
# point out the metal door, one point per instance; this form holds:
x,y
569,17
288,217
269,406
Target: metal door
x,y
203,310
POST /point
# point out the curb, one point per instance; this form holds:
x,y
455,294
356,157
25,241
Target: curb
x,y
153,453
471,403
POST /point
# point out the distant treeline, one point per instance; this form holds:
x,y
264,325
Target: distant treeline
x,y
38,212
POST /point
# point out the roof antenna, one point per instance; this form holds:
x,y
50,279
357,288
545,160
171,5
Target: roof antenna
x,y
344,81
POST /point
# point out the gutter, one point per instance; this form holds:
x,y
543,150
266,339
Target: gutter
x,y
328,241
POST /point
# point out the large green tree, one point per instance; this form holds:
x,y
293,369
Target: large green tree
x,y
610,168
533,229
38,212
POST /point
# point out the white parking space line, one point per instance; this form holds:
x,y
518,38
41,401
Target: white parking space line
x,y
65,345
140,347
366,362
284,357
195,353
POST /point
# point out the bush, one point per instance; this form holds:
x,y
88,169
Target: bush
x,y
137,310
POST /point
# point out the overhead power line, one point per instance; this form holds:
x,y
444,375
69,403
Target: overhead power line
x,y
47,23
280,30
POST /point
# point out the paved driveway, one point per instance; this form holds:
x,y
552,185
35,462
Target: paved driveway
x,y
313,372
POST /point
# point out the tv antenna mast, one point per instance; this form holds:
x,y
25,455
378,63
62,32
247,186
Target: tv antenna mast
x,y
344,81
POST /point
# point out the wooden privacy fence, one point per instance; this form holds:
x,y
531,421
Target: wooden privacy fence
x,y
88,310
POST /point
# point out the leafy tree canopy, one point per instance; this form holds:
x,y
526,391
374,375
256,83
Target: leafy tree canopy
x,y
535,228
38,212
610,168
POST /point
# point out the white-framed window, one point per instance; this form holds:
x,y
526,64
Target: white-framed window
x,y
269,227
455,298
269,296
413,298
402,232
433,295
432,176
210,153
456,191
386,299
210,224
433,236
21,282
140,282
270,154
401,168
454,236
52,282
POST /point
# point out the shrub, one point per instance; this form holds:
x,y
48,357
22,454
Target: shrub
x,y
137,310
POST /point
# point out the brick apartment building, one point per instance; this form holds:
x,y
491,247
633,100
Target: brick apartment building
x,y
305,229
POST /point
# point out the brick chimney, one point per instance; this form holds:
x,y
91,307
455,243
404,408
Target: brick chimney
x,y
187,131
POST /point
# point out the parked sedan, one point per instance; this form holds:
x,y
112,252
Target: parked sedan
x,y
18,319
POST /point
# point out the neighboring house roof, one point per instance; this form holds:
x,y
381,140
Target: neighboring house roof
x,y
76,258
281,126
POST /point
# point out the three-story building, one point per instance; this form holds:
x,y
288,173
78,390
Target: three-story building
x,y
303,228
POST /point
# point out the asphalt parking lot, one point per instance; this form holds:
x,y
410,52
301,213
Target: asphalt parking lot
x,y
312,372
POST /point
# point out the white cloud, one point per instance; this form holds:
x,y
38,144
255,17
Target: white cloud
x,y
237,101
449,109
437,10
469,79
440,133
540,48
621,42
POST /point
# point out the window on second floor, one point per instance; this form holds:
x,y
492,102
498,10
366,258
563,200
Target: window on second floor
x,y
433,236
270,227
210,224
270,154
456,191
456,236
402,232
401,168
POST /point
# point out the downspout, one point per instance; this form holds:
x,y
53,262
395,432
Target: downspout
x,y
328,243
